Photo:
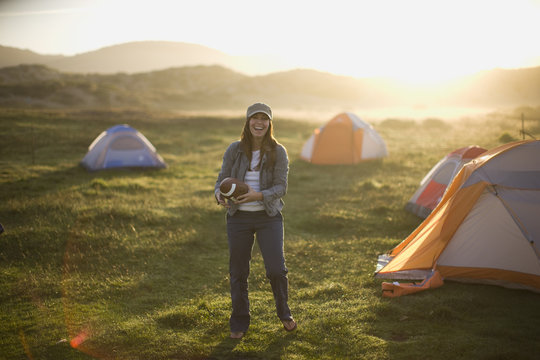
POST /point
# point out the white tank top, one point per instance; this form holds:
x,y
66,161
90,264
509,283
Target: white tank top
x,y
252,178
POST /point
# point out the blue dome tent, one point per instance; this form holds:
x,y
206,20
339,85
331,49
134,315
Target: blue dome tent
x,y
121,146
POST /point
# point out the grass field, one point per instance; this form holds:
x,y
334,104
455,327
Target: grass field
x,y
134,264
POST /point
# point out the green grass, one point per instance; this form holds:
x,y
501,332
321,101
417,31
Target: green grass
x,y
137,261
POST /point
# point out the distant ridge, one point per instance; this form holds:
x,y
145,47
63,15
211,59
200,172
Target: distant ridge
x,y
142,56
212,87
10,56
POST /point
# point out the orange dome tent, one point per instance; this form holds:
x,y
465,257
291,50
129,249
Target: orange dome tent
x,y
485,229
345,139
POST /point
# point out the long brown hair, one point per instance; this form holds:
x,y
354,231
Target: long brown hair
x,y
268,145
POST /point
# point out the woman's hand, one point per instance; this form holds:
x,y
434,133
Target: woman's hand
x,y
250,196
220,200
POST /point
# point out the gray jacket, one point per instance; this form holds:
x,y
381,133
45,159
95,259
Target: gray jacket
x,y
273,181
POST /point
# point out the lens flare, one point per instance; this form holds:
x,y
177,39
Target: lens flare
x,y
78,340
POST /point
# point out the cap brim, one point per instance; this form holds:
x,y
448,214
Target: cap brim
x,y
259,111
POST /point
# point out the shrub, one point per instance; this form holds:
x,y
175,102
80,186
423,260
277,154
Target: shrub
x,y
506,138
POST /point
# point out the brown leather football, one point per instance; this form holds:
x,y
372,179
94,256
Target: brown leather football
x,y
231,188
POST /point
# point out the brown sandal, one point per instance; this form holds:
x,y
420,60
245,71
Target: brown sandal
x,y
289,325
237,334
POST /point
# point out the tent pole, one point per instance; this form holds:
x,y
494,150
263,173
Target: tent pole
x,y
523,126
32,136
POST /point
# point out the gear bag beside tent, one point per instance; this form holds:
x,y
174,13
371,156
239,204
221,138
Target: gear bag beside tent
x,y
121,146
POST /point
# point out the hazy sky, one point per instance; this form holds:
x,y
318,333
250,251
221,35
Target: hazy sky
x,y
410,39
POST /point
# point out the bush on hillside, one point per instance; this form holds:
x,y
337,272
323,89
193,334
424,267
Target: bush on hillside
x,y
506,138
398,123
433,123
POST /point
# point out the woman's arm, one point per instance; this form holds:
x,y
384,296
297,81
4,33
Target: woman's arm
x,y
226,168
278,188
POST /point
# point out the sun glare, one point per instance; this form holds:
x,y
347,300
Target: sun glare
x,y
420,41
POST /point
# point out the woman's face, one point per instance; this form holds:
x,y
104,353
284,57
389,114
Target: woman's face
x,y
258,125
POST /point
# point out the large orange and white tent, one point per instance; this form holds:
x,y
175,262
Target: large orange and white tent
x,y
486,228
434,184
345,139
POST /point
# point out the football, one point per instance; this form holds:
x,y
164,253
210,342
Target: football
x,y
231,188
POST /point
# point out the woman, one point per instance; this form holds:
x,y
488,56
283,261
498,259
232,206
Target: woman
x,y
261,162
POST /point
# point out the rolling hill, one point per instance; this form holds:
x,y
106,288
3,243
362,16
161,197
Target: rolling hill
x,y
142,56
187,88
193,78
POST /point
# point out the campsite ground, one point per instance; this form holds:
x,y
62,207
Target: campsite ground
x,y
133,264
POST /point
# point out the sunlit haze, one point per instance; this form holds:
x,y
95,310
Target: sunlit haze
x,y
414,40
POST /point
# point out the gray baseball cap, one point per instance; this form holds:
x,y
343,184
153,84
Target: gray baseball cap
x,y
258,108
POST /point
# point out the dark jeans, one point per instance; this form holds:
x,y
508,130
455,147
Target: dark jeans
x,y
241,228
